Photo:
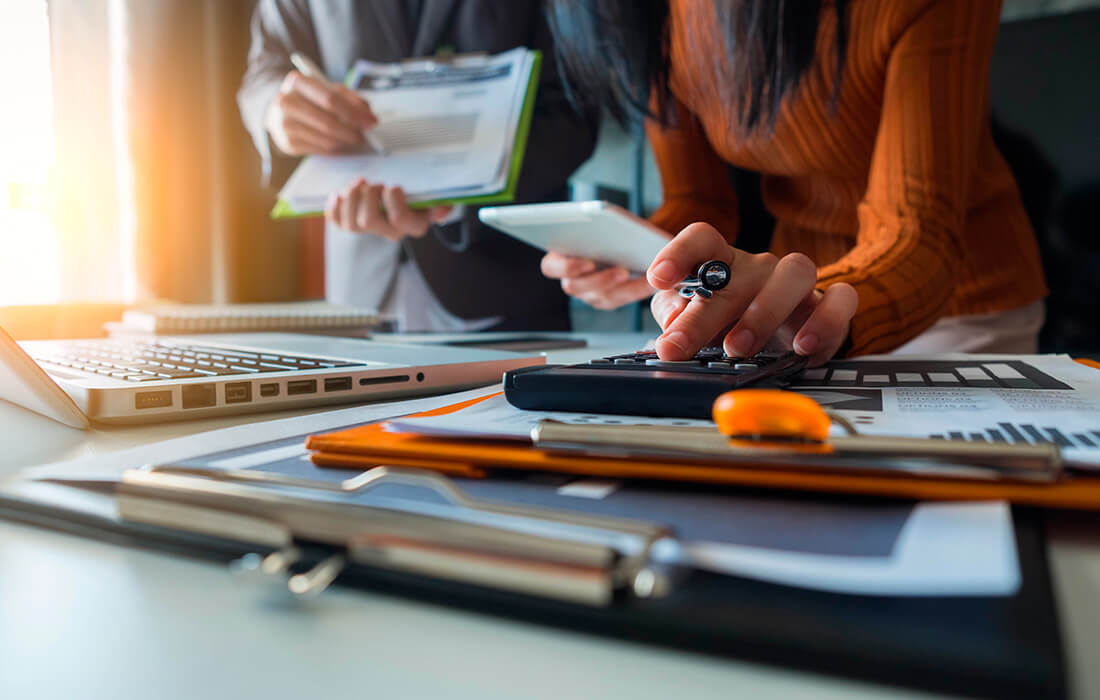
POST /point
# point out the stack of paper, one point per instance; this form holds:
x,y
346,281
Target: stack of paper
x,y
452,132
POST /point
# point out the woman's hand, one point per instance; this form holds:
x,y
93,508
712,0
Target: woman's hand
x,y
600,287
767,298
380,210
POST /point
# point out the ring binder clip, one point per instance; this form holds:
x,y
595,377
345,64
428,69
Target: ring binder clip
x,y
257,567
314,582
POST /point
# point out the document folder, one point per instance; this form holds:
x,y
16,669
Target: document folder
x,y
588,577
604,451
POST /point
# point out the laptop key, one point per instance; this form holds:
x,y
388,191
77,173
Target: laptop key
x,y
272,365
214,372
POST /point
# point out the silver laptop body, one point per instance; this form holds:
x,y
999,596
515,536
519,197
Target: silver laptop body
x,y
170,378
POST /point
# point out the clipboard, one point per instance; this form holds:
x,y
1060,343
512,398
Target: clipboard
x,y
594,451
283,209
996,647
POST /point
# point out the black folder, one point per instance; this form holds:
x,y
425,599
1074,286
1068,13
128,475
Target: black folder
x,y
992,647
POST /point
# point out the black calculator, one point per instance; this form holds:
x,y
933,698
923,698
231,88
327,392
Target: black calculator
x,y
641,384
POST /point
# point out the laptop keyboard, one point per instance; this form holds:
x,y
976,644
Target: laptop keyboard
x,y
157,361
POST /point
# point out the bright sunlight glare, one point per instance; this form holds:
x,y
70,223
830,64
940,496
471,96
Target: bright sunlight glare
x,y
29,264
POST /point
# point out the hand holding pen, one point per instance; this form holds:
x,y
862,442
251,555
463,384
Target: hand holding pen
x,y
311,115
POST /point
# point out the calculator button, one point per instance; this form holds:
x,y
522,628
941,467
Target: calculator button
x,y
672,363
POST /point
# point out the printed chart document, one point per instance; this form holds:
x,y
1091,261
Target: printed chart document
x,y
452,131
975,398
1024,399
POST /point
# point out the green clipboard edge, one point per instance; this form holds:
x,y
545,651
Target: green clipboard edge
x,y
283,210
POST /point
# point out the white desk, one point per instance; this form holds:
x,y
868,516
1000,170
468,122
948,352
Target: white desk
x,y
80,618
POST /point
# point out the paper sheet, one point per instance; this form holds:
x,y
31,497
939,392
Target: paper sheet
x,y
867,548
991,398
944,549
448,131
855,546
496,418
110,466
1002,398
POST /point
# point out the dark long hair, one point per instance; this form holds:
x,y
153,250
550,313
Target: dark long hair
x,y
616,53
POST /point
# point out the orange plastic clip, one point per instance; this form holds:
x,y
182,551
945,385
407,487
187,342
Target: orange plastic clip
x,y
770,414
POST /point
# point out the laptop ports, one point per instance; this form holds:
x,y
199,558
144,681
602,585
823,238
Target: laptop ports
x,y
199,395
153,399
301,386
238,392
338,384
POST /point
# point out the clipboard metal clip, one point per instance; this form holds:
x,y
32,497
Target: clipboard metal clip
x,y
770,427
309,532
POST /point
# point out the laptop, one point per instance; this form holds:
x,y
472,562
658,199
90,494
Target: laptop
x,y
157,378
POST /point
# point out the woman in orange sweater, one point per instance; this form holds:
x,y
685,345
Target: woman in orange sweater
x,y
898,223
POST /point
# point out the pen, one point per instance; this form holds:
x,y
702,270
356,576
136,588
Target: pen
x,y
310,69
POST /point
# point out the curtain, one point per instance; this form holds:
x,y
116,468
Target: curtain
x,y
155,173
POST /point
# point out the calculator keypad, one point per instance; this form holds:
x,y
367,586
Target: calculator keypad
x,y
707,360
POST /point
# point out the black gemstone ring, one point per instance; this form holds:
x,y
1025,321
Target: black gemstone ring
x,y
708,279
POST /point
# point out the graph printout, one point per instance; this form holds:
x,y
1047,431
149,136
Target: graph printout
x,y
978,398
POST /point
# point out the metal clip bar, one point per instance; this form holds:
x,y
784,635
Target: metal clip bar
x,y
860,452
576,557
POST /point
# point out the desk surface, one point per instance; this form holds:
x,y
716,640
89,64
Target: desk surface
x,y
81,618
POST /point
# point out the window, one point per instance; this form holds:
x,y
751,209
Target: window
x,y
63,218
29,255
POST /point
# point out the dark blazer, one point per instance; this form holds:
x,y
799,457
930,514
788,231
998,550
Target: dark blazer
x,y
474,271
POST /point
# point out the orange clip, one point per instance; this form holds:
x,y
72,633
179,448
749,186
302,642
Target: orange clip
x,y
770,414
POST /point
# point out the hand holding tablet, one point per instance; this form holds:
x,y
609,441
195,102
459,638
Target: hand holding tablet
x,y
709,292
598,250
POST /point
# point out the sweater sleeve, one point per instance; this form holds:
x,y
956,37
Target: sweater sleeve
x,y
695,181
906,260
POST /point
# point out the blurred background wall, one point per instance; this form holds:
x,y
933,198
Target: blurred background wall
x,y
154,188
152,156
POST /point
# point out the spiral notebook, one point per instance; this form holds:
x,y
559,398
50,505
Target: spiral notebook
x,y
294,317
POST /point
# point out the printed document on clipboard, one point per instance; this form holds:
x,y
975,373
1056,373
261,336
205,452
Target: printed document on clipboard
x,y
453,131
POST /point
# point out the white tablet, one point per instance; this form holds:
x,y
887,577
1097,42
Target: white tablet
x,y
595,230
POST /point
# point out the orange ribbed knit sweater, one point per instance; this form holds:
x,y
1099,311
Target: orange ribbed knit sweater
x,y
899,191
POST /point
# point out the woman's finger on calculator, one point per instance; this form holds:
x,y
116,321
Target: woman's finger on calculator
x,y
702,319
